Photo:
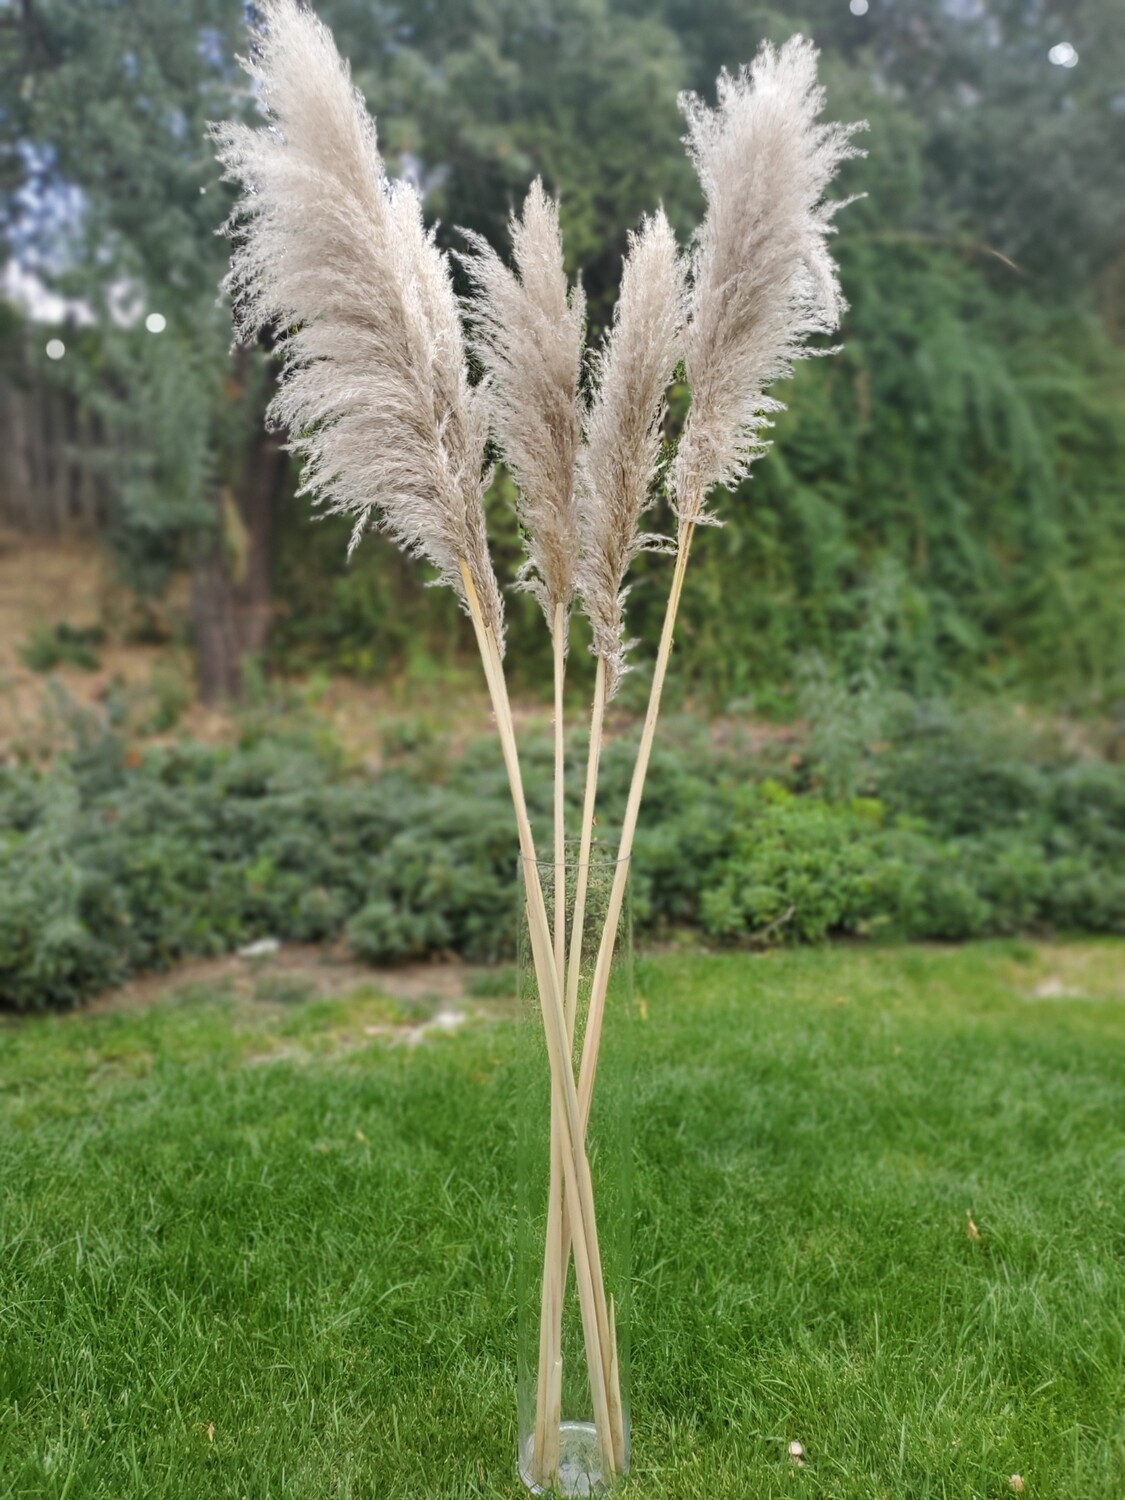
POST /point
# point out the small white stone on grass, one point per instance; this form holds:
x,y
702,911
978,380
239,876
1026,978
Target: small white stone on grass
x,y
1054,989
263,948
449,1020
446,1020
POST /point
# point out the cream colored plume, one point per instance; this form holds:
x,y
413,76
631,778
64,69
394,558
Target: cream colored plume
x,y
334,256
762,278
618,464
529,332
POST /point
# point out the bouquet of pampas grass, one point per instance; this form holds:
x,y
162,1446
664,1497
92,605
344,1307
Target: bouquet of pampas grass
x,y
332,256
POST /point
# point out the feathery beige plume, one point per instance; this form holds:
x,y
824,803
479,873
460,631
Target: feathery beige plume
x,y
618,464
762,278
529,333
762,282
334,256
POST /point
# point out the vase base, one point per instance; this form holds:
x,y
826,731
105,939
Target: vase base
x,y
580,1464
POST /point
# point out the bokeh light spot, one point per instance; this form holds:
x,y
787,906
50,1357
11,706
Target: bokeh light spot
x,y
1063,55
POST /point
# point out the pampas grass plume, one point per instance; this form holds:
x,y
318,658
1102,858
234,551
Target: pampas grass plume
x,y
334,259
763,281
529,333
618,465
334,256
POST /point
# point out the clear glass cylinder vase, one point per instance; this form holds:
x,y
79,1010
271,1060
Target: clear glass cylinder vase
x,y
574,1294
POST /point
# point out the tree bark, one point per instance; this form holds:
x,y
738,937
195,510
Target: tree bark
x,y
217,654
258,505
232,606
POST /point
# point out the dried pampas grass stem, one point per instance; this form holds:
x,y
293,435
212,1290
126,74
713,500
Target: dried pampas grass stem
x,y
762,282
529,332
619,464
600,983
333,258
575,1167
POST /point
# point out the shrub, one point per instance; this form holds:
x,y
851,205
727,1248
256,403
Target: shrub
x,y
48,647
799,870
113,862
802,869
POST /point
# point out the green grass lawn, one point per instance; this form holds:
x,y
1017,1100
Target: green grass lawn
x,y
248,1249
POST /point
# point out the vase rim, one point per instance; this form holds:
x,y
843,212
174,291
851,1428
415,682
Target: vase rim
x,y
600,857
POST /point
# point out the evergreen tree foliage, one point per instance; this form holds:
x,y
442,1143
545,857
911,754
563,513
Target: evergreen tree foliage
x,y
957,471
116,206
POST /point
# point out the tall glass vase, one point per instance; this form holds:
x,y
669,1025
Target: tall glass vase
x,y
573,1382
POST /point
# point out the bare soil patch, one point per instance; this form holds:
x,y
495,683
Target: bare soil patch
x,y
315,972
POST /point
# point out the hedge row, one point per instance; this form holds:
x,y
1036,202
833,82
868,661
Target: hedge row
x,y
114,862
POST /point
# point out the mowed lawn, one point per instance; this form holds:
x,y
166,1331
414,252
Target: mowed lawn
x,y
262,1248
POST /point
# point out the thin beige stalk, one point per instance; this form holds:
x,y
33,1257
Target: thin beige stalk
x,y
548,1396
600,984
762,283
574,1153
586,840
576,1168
557,1247
592,1037
614,1375
548,1392
558,640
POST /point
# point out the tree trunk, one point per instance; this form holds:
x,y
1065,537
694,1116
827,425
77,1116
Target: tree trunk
x,y
231,596
218,658
261,493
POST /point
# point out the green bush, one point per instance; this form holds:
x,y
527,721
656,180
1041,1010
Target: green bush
x,y
48,647
114,862
803,870
800,868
